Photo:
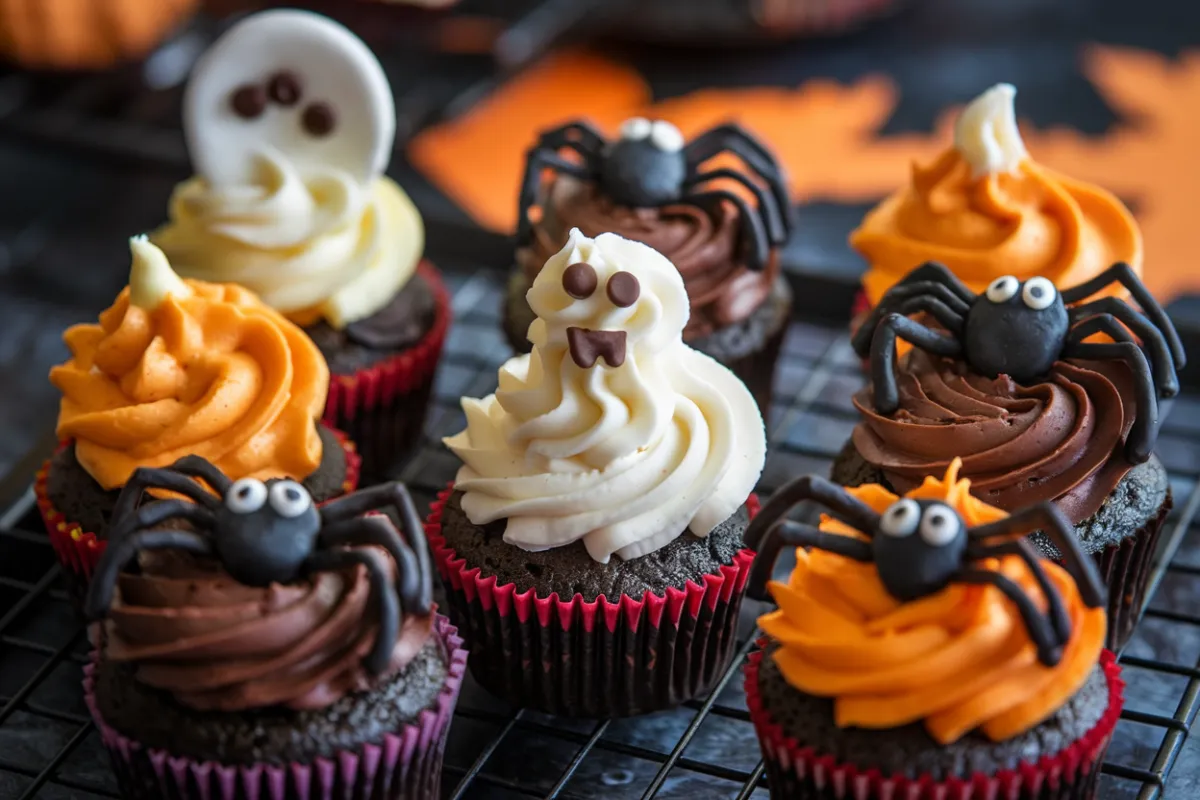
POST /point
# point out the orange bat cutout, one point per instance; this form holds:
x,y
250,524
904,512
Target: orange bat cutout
x,y
826,134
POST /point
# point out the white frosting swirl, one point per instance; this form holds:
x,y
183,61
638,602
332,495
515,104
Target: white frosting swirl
x,y
315,244
625,458
986,133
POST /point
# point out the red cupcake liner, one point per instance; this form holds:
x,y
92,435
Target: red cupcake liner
x,y
79,551
383,406
798,772
600,659
406,765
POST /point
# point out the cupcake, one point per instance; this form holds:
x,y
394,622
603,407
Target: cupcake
x,y
649,186
922,650
179,367
985,209
234,663
591,545
1015,383
290,123
734,22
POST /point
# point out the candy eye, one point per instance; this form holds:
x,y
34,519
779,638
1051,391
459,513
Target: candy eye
x,y
636,128
1038,293
939,525
1003,289
284,89
248,101
901,518
623,289
246,496
318,119
289,499
579,280
666,137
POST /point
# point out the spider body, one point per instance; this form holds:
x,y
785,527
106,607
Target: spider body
x,y
1021,328
650,165
920,547
272,532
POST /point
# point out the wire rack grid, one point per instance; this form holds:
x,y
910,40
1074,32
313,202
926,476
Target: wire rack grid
x,y
50,749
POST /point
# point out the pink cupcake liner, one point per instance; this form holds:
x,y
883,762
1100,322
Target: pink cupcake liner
x,y
381,384
795,772
406,765
599,659
79,551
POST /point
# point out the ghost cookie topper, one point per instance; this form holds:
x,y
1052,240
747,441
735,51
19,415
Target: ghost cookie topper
x,y
295,83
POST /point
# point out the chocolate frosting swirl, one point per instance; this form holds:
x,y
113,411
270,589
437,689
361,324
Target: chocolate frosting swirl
x,y
216,644
704,244
1061,439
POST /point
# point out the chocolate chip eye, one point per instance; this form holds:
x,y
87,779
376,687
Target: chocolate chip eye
x,y
248,101
318,119
284,89
579,280
623,289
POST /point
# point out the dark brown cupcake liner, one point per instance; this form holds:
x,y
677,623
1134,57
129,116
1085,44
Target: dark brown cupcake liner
x,y
796,772
601,659
406,765
79,550
382,407
1125,569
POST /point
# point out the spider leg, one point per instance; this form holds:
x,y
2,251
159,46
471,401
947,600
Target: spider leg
x,y
578,135
931,298
795,534
754,233
933,272
175,478
742,144
377,659
392,495
121,551
1145,427
158,512
536,160
1123,274
1049,647
1047,518
1109,311
883,354
416,594
775,217
836,499
1020,548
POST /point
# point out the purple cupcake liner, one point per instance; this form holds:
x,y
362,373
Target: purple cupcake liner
x,y
407,765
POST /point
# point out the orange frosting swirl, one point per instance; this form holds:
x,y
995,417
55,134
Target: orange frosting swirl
x,y
958,660
1030,222
209,370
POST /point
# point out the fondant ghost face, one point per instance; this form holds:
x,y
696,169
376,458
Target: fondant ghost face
x,y
605,299
291,82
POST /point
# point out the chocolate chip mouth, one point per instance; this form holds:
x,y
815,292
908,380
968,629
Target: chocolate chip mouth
x,y
587,345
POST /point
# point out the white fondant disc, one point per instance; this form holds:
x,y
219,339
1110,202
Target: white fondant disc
x,y
331,65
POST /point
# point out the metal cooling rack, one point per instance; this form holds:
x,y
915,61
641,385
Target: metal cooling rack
x,y
50,749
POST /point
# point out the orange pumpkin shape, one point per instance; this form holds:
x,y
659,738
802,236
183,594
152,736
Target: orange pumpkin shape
x,y
86,34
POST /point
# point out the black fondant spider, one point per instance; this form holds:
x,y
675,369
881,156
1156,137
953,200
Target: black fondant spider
x,y
921,546
649,165
271,532
1020,329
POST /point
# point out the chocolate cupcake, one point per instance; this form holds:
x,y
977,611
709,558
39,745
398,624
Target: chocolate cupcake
x,y
984,209
922,650
651,187
290,123
180,367
594,530
273,647
1013,382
